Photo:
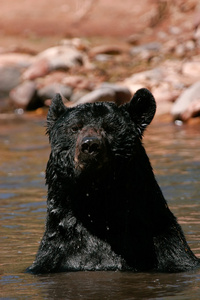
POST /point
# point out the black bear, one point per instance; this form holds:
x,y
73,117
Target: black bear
x,y
105,210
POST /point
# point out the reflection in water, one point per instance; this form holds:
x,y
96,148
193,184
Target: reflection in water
x,y
175,156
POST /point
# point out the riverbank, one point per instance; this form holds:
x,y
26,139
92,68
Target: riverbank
x,y
155,45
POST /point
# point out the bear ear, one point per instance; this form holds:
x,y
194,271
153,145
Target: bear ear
x,y
57,108
142,108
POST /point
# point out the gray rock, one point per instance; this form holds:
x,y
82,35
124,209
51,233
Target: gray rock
x,y
146,79
98,95
21,60
10,78
62,57
175,30
55,58
154,47
122,94
49,91
105,49
25,96
78,95
182,104
191,68
107,92
180,50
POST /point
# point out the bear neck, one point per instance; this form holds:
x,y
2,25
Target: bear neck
x,y
117,185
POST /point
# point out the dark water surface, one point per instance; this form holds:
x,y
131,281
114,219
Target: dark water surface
x,y
24,150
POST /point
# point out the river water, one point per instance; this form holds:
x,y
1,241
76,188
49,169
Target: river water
x,y
175,155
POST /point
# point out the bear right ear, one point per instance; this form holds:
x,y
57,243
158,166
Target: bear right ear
x,y
142,108
57,108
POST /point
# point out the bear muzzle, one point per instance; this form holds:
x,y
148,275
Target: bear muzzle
x,y
91,145
90,150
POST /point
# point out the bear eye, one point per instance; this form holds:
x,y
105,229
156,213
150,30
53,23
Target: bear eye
x,y
76,127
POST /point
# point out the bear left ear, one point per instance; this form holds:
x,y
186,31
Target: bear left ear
x,y
57,108
142,108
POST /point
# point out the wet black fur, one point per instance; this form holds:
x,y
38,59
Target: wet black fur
x,y
114,216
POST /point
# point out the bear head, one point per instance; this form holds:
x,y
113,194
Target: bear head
x,y
92,136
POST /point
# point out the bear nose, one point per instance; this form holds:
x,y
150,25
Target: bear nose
x,y
90,145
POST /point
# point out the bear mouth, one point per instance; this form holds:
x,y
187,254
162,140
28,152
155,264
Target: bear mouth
x,y
90,162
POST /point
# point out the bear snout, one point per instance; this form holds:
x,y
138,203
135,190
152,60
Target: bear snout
x,y
91,145
90,149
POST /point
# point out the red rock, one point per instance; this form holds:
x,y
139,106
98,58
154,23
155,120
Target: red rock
x,y
51,78
134,39
78,82
39,69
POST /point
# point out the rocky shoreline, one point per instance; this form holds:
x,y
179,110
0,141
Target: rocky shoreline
x,y
83,72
